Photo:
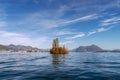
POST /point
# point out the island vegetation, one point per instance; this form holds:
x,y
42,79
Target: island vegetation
x,y
56,49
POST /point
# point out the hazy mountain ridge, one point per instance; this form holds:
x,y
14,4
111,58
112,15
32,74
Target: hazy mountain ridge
x,y
22,48
93,48
19,48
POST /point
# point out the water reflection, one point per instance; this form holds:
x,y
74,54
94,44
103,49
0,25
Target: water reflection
x,y
58,58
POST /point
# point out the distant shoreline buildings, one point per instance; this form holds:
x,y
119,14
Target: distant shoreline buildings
x,y
20,48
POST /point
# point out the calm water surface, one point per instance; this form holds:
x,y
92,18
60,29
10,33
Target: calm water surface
x,y
73,66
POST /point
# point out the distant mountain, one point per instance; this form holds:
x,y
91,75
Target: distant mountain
x,y
3,47
91,48
19,48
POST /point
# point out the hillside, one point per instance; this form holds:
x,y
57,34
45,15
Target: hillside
x,y
18,48
91,48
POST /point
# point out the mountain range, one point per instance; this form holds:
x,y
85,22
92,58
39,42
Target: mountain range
x,y
19,48
22,48
92,48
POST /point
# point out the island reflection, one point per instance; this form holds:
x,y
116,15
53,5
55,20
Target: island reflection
x,y
58,58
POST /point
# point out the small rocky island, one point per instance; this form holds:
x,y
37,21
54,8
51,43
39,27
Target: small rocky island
x,y
56,49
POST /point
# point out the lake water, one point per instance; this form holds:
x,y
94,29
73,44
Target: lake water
x,y
73,66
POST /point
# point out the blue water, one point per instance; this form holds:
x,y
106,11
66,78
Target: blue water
x,y
73,66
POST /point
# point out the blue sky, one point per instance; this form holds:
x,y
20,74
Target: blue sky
x,y
74,22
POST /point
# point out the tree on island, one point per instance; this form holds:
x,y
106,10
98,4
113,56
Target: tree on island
x,y
56,49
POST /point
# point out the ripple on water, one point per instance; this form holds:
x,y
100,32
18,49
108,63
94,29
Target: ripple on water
x,y
74,66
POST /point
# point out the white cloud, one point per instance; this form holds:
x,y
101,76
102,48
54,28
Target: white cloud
x,y
84,18
22,39
41,42
110,21
48,23
3,24
46,20
91,33
43,20
66,42
76,36
15,38
102,29
111,4
64,33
